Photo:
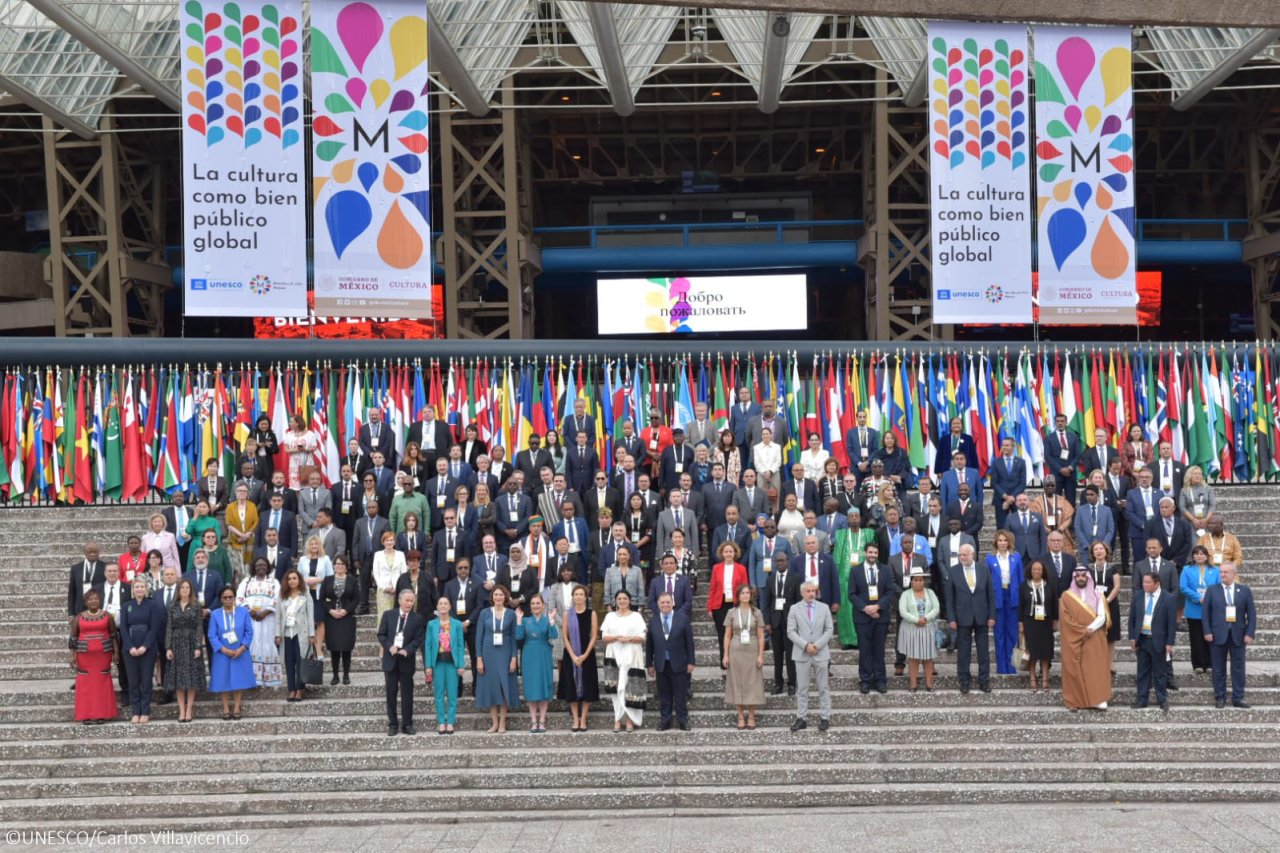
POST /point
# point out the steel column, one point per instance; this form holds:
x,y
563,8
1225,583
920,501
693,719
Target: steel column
x,y
1264,221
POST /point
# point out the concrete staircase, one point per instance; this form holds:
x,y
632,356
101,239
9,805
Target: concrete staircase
x,y
287,763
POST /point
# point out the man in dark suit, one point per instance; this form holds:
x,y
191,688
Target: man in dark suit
x,y
1116,488
669,582
483,473
273,552
441,490
376,437
356,458
1168,575
166,594
581,463
176,519
1098,457
740,418
873,596
1230,620
751,500
629,441
861,442
1167,472
448,545
917,506
817,568
86,574
513,512
1153,630
770,419
608,554
366,542
780,590
717,495
674,461
282,520
1028,530
693,500
579,421
249,479
532,460
499,467
1008,480
966,509
1059,562
344,495
431,435
1141,504
206,582
401,633
600,495
1062,456
890,530
384,475
805,490
733,530
468,597
668,655
278,487
971,612
1175,534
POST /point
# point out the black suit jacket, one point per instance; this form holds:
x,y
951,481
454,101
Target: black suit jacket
x,y
678,644
970,519
348,600
284,559
790,582
580,472
75,588
1063,580
860,593
439,434
415,633
1177,547
1164,619
290,499
1092,459
531,463
476,598
288,530
443,568
386,443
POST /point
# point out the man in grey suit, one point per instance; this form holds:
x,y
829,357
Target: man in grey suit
x,y
700,430
312,498
678,517
809,628
367,542
332,537
769,418
716,496
971,612
946,556
750,500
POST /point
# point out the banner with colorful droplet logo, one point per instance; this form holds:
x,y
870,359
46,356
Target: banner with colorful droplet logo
x,y
244,169
1084,175
979,173
370,168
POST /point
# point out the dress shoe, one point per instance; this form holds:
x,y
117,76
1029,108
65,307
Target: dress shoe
x,y
1171,686
791,690
346,679
823,725
1219,704
1243,706
393,729
664,726
778,688
864,689
882,688
1138,706
1164,706
333,680
799,724
684,725
964,688
410,729
985,688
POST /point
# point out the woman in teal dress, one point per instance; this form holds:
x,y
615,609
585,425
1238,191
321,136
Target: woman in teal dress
x,y
199,523
496,688
442,661
218,560
535,633
850,553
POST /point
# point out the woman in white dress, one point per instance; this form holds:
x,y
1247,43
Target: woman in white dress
x,y
300,443
814,458
766,458
388,566
623,633
791,524
260,592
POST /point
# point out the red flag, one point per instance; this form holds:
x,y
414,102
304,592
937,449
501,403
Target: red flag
x,y
133,483
83,489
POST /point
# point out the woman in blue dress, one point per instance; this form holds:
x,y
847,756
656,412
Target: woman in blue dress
x,y
535,634
442,661
230,635
496,689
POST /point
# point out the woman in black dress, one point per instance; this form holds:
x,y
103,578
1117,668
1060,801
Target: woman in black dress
x,y
268,447
423,583
339,597
1038,609
413,539
579,680
1106,577
184,649
640,524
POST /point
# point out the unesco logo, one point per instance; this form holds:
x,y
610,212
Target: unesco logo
x,y
199,284
994,294
944,294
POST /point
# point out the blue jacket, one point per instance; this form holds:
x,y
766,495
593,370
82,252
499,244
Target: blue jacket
x,y
141,624
683,594
1164,619
678,645
1007,482
949,486
1215,614
1085,529
1006,599
828,589
755,564
431,648
1189,585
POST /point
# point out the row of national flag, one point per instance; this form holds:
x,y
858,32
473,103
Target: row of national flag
x,y
119,433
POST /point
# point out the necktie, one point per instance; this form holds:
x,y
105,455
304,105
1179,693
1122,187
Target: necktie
x,y
168,597
1151,600
375,432
111,595
862,438
450,542
871,577
275,519
1024,521
1057,563
670,585
733,533
813,566
200,581
1168,527
768,547
810,609
313,495
969,578
679,517
1008,464
88,572
666,624
582,452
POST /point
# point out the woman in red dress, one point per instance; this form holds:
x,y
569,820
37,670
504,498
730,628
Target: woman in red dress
x,y
95,644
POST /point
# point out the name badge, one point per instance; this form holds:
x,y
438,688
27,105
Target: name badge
x,y
1039,612
1004,582
1231,613
398,642
1064,454
1217,558
767,564
84,590
779,603
535,561
679,467
200,596
497,638
462,605
873,593
290,621
728,596
230,637
573,548
865,453
448,555
1166,485
745,637
933,541
515,586
1146,621
1150,512
653,444
1138,464
514,516
440,502
1050,521
1102,589
855,559
346,507
799,501
1199,510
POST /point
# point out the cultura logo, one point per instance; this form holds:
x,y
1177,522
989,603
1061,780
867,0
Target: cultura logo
x,y
260,284
994,294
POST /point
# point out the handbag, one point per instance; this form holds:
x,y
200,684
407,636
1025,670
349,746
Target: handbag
x,y
1021,657
312,668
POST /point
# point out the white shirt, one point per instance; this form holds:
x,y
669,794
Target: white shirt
x,y
111,598
767,458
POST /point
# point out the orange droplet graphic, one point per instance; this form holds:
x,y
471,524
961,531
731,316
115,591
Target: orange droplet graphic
x,y
1110,254
391,180
399,243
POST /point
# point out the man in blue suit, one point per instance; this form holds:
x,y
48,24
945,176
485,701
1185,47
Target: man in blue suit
x,y
1153,630
971,612
668,655
818,568
873,596
573,529
733,530
960,472
1141,504
740,417
766,553
1230,621
667,581
1029,536
1061,456
861,442
581,464
832,521
1008,480
1094,522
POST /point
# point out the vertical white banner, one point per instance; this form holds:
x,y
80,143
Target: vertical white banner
x,y
243,180
370,167
1084,175
979,173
